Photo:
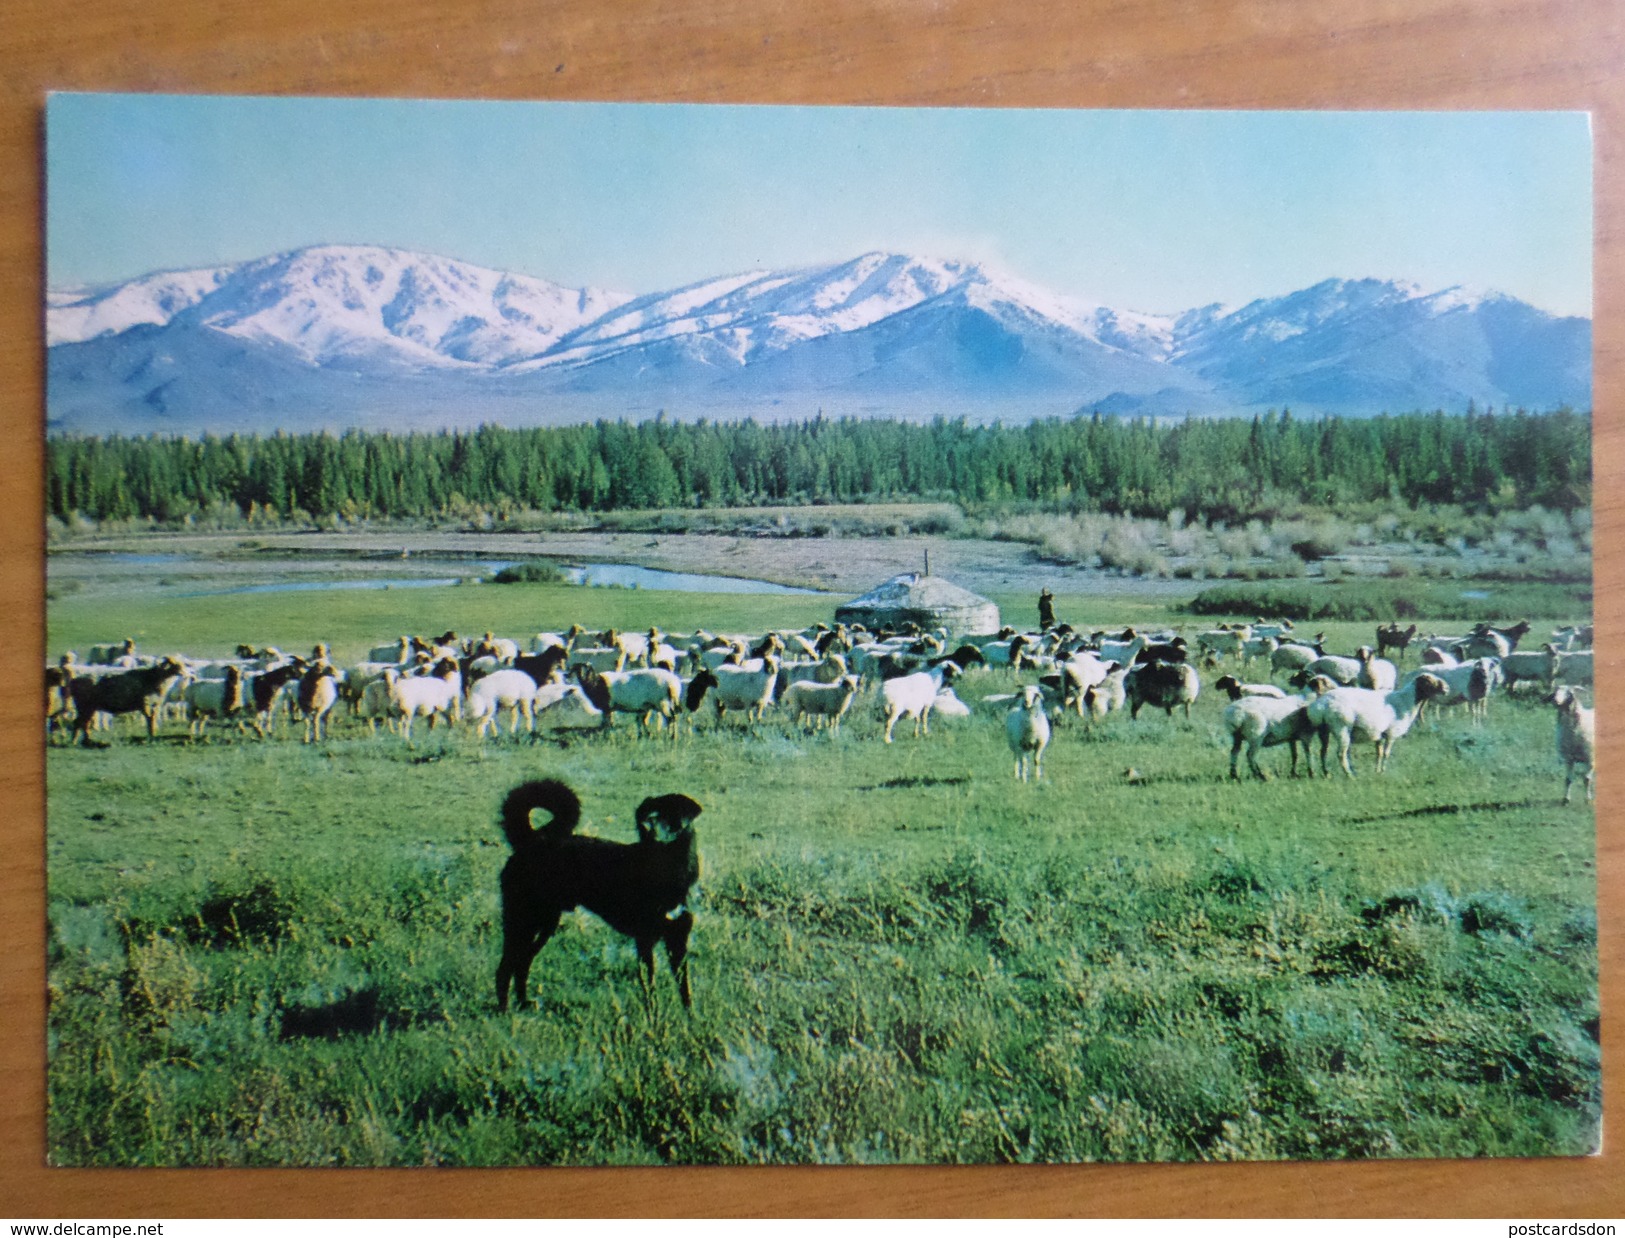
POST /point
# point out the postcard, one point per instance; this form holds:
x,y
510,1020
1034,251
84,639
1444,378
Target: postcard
x,y
609,634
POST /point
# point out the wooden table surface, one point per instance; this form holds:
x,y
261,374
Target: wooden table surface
x,y
1433,54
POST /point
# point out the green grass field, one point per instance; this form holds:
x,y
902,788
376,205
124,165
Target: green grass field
x,y
266,953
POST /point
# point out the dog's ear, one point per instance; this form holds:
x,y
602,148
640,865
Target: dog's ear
x,y
663,818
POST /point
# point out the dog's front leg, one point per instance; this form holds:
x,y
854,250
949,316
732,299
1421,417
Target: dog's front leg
x,y
676,938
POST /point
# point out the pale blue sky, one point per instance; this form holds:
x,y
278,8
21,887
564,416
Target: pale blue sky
x,y
1156,211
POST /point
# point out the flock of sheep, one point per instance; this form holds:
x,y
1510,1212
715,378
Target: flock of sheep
x,y
815,676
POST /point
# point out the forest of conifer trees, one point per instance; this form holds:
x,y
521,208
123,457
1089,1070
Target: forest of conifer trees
x,y
1224,469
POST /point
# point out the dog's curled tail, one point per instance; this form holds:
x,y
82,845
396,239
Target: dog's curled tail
x,y
548,794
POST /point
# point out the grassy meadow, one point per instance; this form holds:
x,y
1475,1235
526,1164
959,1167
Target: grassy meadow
x,y
267,953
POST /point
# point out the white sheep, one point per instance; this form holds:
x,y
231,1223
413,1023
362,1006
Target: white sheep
x,y
509,689
1364,714
1256,722
1469,683
1081,672
824,703
562,705
914,696
432,696
1028,730
1576,740
1376,673
650,693
1294,657
1122,652
213,698
1226,641
746,688
1236,690
1574,668
1340,670
1528,664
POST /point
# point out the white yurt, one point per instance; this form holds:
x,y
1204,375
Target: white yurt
x,y
929,601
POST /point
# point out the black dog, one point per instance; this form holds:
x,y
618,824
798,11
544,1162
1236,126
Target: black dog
x,y
639,889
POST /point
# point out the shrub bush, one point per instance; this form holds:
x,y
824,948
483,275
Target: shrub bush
x,y
533,572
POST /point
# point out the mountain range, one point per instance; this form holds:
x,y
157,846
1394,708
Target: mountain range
x,y
334,336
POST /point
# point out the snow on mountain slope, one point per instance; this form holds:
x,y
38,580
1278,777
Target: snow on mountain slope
x,y
351,332
744,319
74,315
343,304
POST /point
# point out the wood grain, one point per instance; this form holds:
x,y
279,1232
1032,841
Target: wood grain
x,y
1111,53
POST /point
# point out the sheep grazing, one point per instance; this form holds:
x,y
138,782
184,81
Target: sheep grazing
x,y
1027,728
1468,684
1574,668
914,696
1576,740
1364,714
1294,657
1162,684
1530,666
1236,690
824,703
736,687
1081,672
1256,722
213,698
559,706
1226,641
507,689
1259,648
397,654
1122,652
1345,671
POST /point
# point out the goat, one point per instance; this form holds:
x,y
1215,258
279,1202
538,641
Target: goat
x,y
1576,740
1392,636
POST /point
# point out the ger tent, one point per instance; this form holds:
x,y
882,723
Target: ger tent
x,y
929,601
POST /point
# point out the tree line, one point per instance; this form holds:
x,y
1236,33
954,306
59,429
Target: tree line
x,y
1220,468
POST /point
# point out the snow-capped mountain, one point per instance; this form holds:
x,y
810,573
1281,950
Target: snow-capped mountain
x,y
342,305
343,335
